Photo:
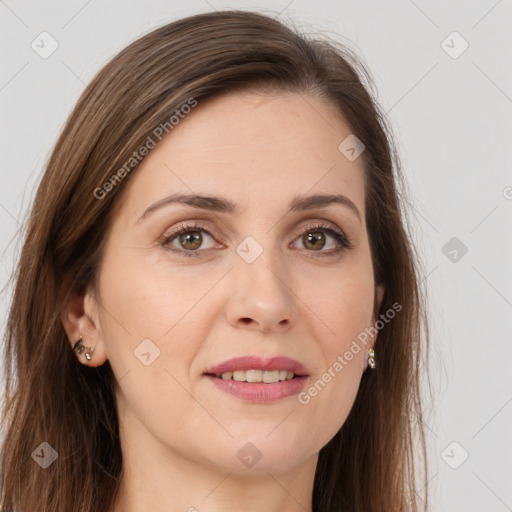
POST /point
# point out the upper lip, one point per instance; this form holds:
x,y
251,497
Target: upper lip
x,y
258,363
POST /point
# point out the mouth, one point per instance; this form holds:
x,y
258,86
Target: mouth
x,y
255,379
257,376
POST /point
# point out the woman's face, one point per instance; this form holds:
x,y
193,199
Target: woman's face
x,y
259,281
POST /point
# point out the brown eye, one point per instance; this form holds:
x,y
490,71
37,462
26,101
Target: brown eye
x,y
322,240
313,240
191,240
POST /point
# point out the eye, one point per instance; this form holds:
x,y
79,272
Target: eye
x,y
188,239
316,238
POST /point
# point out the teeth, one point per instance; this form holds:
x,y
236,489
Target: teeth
x,y
254,376
239,375
267,376
271,376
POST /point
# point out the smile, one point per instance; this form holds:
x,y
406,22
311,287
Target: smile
x,y
267,376
257,379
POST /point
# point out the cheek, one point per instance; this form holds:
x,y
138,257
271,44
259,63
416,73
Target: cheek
x,y
150,296
347,307
153,326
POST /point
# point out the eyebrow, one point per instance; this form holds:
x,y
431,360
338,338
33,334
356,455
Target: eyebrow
x,y
223,205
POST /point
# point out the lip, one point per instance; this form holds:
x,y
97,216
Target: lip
x,y
258,363
259,392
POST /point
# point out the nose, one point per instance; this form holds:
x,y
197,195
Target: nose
x,y
262,296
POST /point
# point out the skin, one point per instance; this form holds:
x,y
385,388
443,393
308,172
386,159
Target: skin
x,y
180,434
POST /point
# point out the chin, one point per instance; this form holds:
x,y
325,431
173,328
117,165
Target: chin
x,y
257,454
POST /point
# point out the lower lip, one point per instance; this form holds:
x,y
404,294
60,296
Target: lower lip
x,y
260,392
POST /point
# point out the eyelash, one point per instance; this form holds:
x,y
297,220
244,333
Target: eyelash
x,y
343,241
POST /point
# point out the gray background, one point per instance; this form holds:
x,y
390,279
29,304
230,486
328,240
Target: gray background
x,y
452,117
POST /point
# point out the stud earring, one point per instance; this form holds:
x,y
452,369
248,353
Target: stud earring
x,y
78,345
371,358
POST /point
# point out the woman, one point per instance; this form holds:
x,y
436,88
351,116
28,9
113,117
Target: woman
x,y
217,303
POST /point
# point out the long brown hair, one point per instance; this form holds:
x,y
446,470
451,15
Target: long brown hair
x,y
371,463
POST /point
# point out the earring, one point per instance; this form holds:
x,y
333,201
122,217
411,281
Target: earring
x,y
371,358
78,345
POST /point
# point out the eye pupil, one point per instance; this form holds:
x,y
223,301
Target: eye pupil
x,y
313,238
191,237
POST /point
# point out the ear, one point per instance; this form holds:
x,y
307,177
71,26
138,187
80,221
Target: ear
x,y
80,317
379,295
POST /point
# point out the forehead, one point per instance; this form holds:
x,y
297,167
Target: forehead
x,y
252,148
